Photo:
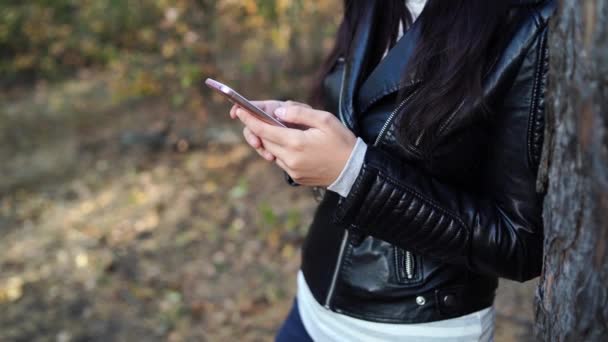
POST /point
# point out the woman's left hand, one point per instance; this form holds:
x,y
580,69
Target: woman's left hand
x,y
312,157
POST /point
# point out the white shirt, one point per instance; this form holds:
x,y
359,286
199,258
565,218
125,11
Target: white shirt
x,y
328,326
324,325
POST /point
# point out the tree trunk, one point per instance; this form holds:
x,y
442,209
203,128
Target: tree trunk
x,y
572,298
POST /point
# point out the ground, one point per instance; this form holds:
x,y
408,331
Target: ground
x,y
136,221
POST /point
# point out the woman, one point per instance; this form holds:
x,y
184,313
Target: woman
x,y
429,143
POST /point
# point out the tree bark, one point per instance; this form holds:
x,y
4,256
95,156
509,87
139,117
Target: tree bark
x,y
572,298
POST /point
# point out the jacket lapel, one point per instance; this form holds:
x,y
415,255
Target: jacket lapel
x,y
358,55
387,77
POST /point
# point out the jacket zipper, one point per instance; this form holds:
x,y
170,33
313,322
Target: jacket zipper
x,y
408,255
334,277
388,121
409,258
340,114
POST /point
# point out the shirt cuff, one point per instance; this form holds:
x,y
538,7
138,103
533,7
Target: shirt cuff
x,y
347,177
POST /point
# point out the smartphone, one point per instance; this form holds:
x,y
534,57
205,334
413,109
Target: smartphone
x,y
240,100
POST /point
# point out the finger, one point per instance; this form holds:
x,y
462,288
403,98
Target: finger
x,y
295,103
305,116
267,105
276,150
263,130
283,166
265,154
256,143
252,139
233,111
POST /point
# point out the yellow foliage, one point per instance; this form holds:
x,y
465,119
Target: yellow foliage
x,y
24,61
162,46
11,290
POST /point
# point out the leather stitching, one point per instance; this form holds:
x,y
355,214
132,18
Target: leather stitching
x,y
365,170
535,101
422,198
381,319
371,198
531,114
389,203
341,211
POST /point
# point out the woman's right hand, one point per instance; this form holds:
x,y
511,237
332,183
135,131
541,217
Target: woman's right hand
x,y
268,106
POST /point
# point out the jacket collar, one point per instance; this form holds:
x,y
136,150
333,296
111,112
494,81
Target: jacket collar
x,y
385,79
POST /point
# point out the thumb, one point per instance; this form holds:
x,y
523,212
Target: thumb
x,y
304,116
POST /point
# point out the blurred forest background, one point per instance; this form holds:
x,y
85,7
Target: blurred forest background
x,y
130,208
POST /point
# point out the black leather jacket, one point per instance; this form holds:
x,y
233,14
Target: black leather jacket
x,y
420,241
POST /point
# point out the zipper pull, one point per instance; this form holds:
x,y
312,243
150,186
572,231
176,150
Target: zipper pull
x,y
409,265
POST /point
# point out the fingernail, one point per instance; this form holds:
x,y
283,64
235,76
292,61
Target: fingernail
x,y
280,112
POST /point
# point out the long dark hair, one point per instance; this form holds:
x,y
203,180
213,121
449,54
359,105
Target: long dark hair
x,y
459,41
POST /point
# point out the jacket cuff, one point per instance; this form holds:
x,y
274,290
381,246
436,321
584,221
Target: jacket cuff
x,y
343,184
347,208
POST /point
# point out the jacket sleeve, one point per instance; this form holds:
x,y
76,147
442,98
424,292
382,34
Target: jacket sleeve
x,y
496,231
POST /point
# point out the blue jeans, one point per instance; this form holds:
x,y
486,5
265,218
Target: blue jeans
x,y
293,329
